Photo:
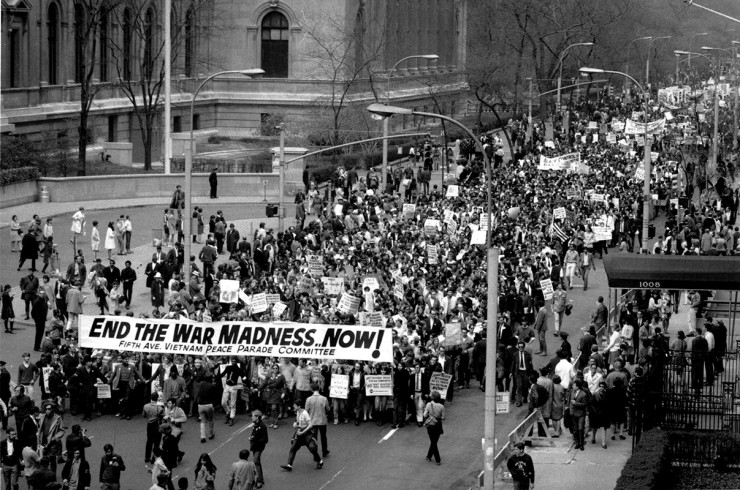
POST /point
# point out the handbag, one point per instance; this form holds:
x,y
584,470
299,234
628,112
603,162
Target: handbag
x,y
568,309
430,421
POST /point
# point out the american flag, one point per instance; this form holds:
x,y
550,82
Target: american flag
x,y
557,232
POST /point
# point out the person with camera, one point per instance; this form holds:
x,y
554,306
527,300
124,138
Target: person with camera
x,y
304,436
111,466
77,441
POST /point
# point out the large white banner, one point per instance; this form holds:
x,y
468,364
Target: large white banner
x,y
632,127
563,162
288,339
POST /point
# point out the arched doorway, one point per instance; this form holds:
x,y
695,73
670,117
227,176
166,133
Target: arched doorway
x,y
275,45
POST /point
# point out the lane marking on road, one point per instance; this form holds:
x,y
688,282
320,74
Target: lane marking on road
x,y
210,453
332,479
388,435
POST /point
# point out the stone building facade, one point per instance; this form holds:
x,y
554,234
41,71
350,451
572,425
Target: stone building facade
x,y
311,50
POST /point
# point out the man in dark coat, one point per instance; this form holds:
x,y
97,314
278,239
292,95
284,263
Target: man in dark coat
x,y
213,181
29,250
39,310
699,351
29,287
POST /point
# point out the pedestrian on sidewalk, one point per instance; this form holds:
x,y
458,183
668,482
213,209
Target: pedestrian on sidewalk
x,y
243,473
213,181
95,240
29,250
578,405
8,315
110,239
304,436
521,467
78,226
29,288
205,473
111,466
15,233
128,229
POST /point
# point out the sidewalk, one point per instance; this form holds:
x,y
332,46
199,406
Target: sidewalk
x,y
562,467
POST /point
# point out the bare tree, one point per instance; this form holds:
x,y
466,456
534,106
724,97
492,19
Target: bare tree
x,y
344,56
91,16
139,57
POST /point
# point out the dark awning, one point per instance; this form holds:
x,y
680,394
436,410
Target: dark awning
x,y
631,271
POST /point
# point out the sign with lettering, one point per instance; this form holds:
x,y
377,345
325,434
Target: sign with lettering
x,y
104,391
333,285
378,385
547,290
432,254
440,382
563,162
558,213
233,338
453,335
278,309
339,387
452,191
374,319
432,226
272,298
259,303
348,304
315,265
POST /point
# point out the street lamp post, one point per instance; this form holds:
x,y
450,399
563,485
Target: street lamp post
x,y
647,162
689,55
384,173
691,2
715,137
647,61
736,89
691,40
489,449
186,220
560,70
627,65
529,116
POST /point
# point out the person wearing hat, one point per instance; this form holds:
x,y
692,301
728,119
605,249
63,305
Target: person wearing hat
x,y
157,291
257,443
50,434
88,376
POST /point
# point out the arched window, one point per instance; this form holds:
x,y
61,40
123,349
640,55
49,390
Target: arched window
x,y
103,30
189,41
127,44
149,43
53,43
79,47
275,45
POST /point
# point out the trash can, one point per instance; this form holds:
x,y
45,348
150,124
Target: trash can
x,y
44,194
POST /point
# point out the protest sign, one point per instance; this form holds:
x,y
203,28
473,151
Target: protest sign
x,y
259,303
448,215
306,284
602,233
453,335
339,387
315,264
46,372
276,339
374,319
478,237
432,254
348,304
432,226
558,213
398,290
547,291
452,191
272,298
333,285
618,126
440,382
563,162
632,127
229,291
245,298
596,197
595,138
611,138
370,282
378,385
278,309
104,391
503,403
571,194
593,125
409,210
640,173
338,209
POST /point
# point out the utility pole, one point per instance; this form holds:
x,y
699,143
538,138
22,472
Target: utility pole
x,y
281,206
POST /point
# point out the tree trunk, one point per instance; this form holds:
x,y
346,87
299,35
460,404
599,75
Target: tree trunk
x,y
82,144
148,151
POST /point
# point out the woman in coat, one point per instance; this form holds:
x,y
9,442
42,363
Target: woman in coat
x,y
95,240
272,389
8,315
557,407
616,397
29,251
598,413
110,239
158,288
